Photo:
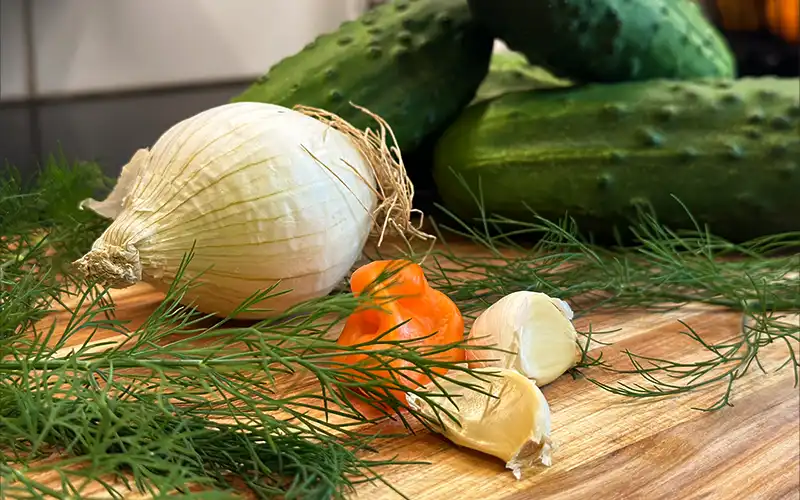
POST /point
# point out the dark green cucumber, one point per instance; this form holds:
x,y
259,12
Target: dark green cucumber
x,y
730,151
611,40
414,63
510,71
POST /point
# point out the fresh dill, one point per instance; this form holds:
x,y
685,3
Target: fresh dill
x,y
199,405
183,401
659,270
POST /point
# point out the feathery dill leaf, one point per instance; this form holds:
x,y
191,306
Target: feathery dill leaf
x,y
41,231
660,270
185,400
196,405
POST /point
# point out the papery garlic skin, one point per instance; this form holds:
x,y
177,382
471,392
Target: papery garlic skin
x,y
236,182
535,328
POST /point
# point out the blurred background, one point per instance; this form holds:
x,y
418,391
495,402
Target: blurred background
x,y
100,78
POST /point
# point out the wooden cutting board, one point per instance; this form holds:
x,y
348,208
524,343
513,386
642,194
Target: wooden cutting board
x,y
612,447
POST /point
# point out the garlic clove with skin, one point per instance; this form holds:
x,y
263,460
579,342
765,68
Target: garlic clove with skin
x,y
534,328
513,424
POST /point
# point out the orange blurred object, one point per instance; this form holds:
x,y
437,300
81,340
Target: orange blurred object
x,y
783,19
739,15
403,304
779,17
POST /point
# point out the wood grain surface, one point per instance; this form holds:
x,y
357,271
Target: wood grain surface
x,y
608,446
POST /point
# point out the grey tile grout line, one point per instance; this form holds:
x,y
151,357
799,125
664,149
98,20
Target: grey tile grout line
x,y
32,83
30,52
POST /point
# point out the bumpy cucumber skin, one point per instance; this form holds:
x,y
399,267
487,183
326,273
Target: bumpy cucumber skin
x,y
414,63
611,40
730,151
510,72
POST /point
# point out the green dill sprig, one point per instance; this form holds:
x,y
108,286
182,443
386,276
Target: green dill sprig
x,y
723,365
111,409
41,231
186,400
660,270
194,404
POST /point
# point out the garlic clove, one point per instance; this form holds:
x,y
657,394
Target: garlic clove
x,y
534,328
513,424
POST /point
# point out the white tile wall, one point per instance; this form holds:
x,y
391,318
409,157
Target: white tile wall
x,y
101,45
13,71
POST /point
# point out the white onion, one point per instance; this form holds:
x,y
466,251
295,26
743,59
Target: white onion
x,y
265,194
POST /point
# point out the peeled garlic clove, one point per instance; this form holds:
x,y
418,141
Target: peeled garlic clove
x,y
513,424
535,328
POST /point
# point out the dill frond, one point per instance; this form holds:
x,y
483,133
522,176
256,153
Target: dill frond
x,y
186,400
661,270
198,406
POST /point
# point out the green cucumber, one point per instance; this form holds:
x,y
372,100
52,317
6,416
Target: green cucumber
x,y
611,40
414,63
728,150
510,71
